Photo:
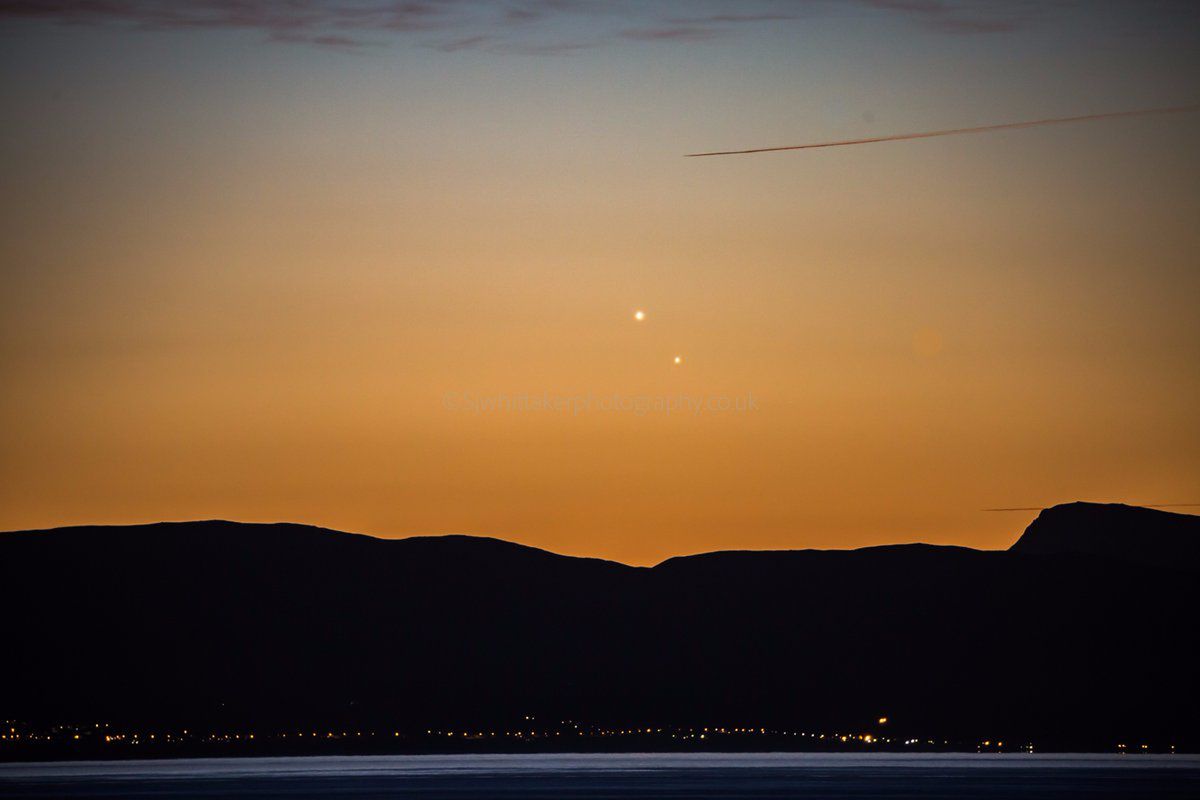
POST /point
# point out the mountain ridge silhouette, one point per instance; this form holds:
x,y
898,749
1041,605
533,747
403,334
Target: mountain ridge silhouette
x,y
274,625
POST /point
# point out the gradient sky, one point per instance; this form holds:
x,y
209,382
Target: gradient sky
x,y
264,261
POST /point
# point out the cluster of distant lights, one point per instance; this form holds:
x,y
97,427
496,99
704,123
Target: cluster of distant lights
x,y
102,732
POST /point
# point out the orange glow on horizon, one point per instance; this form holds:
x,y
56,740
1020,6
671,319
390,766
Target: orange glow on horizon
x,y
390,291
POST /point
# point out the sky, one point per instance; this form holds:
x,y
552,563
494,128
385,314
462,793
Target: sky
x,y
374,266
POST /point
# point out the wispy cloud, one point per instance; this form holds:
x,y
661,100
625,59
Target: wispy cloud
x,y
310,21
526,11
321,40
731,19
465,43
515,26
671,33
563,48
702,27
965,16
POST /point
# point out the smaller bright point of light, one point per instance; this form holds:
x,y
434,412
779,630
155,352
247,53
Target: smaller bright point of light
x,y
883,720
639,315
678,359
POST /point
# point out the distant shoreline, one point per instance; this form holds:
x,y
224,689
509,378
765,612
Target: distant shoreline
x,y
57,754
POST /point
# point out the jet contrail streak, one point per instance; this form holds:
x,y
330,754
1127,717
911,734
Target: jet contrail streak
x,y
899,137
1140,505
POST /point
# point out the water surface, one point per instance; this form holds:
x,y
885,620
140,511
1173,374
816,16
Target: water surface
x,y
709,775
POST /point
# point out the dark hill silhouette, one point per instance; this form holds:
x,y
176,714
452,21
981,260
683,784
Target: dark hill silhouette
x,y
275,625
1113,530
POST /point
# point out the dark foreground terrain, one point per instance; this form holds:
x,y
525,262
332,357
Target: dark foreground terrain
x,y
1082,636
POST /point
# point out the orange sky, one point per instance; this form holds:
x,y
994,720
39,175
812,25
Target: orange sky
x,y
263,281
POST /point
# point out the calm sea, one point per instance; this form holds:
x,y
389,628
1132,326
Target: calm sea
x,y
616,775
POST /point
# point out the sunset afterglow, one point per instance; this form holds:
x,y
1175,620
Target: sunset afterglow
x,y
263,271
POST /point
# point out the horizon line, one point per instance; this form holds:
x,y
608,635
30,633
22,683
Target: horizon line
x,y
648,565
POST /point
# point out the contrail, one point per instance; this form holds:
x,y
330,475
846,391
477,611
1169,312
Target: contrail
x,y
1005,126
1142,505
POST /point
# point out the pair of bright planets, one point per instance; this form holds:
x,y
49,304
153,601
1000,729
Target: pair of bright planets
x,y
640,316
